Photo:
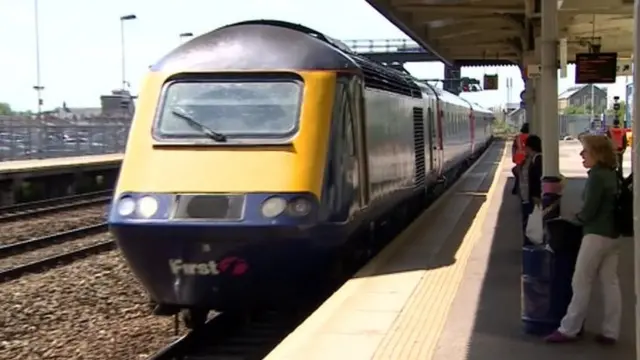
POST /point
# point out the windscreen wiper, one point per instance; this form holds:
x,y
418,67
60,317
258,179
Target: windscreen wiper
x,y
211,134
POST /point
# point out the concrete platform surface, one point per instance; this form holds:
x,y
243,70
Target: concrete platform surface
x,y
53,163
448,288
484,321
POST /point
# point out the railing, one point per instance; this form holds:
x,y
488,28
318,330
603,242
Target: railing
x,y
24,138
569,125
384,46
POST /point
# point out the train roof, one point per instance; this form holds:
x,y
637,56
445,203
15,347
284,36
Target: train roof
x,y
265,45
451,98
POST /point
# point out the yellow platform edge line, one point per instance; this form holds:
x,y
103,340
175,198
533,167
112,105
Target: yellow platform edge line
x,y
303,334
418,328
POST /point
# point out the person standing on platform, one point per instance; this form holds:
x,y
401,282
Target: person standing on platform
x,y
619,138
518,154
530,173
598,255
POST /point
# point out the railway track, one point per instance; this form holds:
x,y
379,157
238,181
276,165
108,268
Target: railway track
x,y
42,207
38,264
233,337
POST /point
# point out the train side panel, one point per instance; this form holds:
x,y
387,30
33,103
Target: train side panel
x,y
456,130
483,128
432,150
390,143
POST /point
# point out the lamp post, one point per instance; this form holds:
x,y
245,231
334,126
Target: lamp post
x,y
185,35
122,21
38,86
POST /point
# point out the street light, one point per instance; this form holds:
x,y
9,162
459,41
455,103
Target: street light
x,y
38,87
185,35
122,20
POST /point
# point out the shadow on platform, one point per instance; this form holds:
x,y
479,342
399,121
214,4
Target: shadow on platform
x,y
497,331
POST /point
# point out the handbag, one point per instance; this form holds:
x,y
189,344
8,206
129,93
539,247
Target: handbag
x,y
535,227
535,223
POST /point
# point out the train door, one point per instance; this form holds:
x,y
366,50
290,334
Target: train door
x,y
472,130
356,128
431,130
440,123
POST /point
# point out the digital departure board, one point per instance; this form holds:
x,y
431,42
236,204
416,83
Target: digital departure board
x,y
597,68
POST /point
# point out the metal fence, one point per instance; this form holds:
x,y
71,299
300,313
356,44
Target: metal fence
x,y
573,125
569,125
24,138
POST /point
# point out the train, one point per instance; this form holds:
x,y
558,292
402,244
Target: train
x,y
263,151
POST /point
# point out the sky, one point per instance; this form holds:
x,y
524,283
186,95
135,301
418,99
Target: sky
x,y
80,51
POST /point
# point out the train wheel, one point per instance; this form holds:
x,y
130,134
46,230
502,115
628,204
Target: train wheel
x,y
194,318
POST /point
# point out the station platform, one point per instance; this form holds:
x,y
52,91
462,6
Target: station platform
x,y
8,168
448,287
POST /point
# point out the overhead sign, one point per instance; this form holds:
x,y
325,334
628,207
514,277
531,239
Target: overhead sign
x,y
490,82
624,68
597,68
534,71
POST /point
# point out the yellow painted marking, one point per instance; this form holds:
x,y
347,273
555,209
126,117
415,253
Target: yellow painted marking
x,y
472,193
416,331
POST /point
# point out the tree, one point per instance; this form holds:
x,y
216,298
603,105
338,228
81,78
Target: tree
x,y
5,109
574,110
621,112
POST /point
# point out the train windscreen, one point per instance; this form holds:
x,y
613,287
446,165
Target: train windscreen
x,y
243,109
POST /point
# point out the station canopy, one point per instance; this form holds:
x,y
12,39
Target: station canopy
x,y
476,32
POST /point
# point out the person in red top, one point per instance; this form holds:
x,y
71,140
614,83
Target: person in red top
x,y
518,154
618,136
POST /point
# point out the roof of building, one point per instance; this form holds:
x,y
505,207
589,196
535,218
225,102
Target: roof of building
x,y
515,112
574,89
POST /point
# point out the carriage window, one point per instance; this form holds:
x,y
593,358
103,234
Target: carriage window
x,y
242,109
348,127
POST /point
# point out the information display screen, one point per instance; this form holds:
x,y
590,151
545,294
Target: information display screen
x,y
596,68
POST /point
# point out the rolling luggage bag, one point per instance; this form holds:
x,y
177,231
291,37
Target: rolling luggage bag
x,y
547,270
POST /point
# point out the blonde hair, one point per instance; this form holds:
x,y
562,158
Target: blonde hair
x,y
601,149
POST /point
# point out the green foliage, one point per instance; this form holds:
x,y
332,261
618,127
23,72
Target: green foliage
x,y
621,112
5,109
502,129
575,110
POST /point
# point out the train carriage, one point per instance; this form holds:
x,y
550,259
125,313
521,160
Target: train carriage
x,y
259,152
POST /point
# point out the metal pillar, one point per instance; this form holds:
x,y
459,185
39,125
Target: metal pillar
x,y
529,103
536,125
548,100
38,86
636,166
536,116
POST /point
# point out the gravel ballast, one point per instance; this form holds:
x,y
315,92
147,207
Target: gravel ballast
x,y
21,230
92,309
53,250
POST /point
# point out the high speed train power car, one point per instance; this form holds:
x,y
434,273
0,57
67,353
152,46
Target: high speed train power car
x,y
260,151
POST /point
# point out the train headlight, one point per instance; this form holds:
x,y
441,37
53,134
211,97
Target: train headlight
x,y
147,206
299,207
273,207
126,206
